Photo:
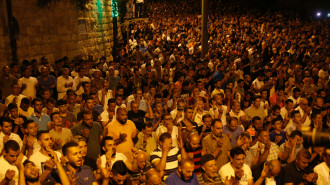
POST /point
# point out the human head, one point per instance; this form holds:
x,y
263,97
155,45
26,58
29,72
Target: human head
x,y
237,157
141,159
180,105
121,115
45,140
188,113
13,110
296,135
37,105
153,177
25,103
6,125
56,119
303,159
186,169
232,123
147,128
135,106
15,89
263,136
274,167
31,171
256,122
81,141
62,106
207,120
193,140
165,138
87,118
11,151
72,154
277,123
288,104
256,101
90,103
296,93
112,105
31,128
217,127
209,166
109,144
119,172
167,120
296,116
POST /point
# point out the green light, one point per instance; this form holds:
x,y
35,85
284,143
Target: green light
x,y
114,7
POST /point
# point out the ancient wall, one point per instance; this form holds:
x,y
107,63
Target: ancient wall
x,y
57,30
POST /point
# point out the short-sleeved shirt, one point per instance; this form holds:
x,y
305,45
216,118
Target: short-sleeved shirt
x,y
234,134
93,143
30,90
85,176
42,121
197,157
137,118
273,151
118,157
65,135
209,144
205,181
227,171
171,160
292,174
39,160
323,172
175,179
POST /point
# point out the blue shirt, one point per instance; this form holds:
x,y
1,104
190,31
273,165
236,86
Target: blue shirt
x,y
42,121
234,134
175,179
273,135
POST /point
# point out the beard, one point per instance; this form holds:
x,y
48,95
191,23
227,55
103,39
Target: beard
x,y
31,179
123,122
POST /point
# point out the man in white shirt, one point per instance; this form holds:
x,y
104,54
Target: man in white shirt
x,y
296,96
258,83
167,126
28,84
323,169
109,114
105,94
305,111
237,168
64,83
78,81
9,171
218,110
6,133
177,114
15,97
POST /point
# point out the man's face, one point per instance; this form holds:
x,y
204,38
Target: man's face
x,y
122,116
141,161
46,95
303,103
188,114
319,102
297,118
24,106
217,129
298,138
167,120
277,112
119,100
278,125
31,172
258,124
16,89
120,92
302,162
233,125
90,104
135,107
207,121
218,99
186,171
11,156
83,148
181,106
14,113
159,108
7,128
74,156
38,106
148,131
46,141
88,119
57,119
236,107
289,106
256,102
112,107
138,94
110,145
238,161
120,179
62,108
297,95
72,99
166,142
210,169
194,142
32,129
264,137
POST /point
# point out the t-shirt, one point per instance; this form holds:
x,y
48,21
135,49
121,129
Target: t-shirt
x,y
65,135
137,118
39,160
234,134
30,90
323,172
227,171
118,157
171,160
175,179
292,175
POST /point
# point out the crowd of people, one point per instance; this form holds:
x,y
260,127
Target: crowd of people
x,y
159,113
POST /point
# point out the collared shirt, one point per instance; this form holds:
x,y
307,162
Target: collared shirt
x,y
205,181
150,146
85,176
12,136
273,151
171,159
42,121
209,143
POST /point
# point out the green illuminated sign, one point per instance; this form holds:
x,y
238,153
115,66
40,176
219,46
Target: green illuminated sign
x,y
114,7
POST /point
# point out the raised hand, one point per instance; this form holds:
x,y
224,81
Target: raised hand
x,y
239,173
85,133
10,174
278,139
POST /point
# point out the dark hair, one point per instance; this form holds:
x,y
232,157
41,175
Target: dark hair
x,y
68,145
51,100
165,114
255,118
206,158
293,113
54,113
61,102
296,90
164,136
27,122
147,125
288,101
231,119
215,120
25,101
236,151
119,167
111,100
276,107
84,112
304,153
254,98
11,145
41,132
106,138
278,118
206,116
5,119
35,100
296,133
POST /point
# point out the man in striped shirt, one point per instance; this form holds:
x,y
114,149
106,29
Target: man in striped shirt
x,y
165,157
194,150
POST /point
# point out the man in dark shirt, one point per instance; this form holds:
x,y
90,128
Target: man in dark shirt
x,y
137,116
270,170
89,106
295,173
194,150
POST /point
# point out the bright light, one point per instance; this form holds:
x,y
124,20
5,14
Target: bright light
x,y
318,14
328,14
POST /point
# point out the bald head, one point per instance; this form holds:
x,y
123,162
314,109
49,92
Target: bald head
x,y
194,140
153,177
275,168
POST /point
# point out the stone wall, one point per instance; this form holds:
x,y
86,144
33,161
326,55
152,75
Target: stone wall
x,y
57,30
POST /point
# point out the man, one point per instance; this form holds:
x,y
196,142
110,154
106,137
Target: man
x,y
177,114
168,127
8,171
143,165
82,173
323,169
295,141
109,114
28,84
153,177
113,79
147,140
59,134
286,111
194,150
6,82
237,168
123,131
77,82
93,133
233,130
89,106
6,133
296,96
255,109
217,143
105,94
187,125
184,174
295,123
43,158
24,109
210,175
295,172
205,129
46,81
305,111
30,142
64,83
118,175
68,118
138,116
218,110
268,173
17,120
15,97
165,157
37,116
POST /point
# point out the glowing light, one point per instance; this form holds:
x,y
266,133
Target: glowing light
x,y
114,7
318,14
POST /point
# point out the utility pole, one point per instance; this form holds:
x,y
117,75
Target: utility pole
x,y
205,38
11,24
